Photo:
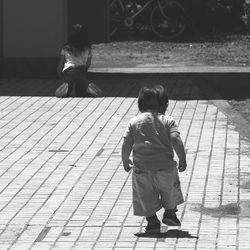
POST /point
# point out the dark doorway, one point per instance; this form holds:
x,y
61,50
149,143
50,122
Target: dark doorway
x,y
1,37
93,14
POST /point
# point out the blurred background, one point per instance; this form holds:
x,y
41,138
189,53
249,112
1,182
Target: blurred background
x,y
33,32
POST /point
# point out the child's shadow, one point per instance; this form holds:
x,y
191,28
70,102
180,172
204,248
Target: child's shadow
x,y
174,233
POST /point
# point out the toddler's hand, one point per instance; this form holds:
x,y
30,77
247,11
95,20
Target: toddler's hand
x,y
127,165
182,166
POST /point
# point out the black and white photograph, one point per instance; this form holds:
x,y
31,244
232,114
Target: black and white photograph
x,y
124,124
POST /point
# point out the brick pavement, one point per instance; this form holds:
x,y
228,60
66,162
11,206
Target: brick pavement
x,y
62,185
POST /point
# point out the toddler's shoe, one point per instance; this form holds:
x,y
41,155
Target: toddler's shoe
x,y
153,227
170,218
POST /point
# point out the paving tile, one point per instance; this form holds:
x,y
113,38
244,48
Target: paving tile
x,y
62,184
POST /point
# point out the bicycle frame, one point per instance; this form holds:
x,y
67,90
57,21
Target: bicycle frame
x,y
142,8
167,18
122,5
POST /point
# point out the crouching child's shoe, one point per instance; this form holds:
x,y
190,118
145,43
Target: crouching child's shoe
x,y
170,218
62,90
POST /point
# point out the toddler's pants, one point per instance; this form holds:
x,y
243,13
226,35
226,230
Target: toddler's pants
x,y
153,190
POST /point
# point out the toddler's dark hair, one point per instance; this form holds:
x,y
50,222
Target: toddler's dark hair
x,y
148,100
162,97
78,39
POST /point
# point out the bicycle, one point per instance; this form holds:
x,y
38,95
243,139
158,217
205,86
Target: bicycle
x,y
168,19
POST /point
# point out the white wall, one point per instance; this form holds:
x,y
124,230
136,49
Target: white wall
x,y
33,28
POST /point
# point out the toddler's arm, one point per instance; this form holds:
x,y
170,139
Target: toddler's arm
x,y
179,149
126,150
127,145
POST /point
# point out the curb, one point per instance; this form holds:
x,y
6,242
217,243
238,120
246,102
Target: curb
x,y
156,69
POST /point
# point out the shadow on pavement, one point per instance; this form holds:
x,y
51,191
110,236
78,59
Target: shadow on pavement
x,y
169,234
233,87
179,87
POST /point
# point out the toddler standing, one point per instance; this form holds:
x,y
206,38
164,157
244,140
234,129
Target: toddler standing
x,y
152,137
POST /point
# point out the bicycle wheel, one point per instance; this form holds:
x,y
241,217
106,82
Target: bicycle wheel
x,y
169,21
115,16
